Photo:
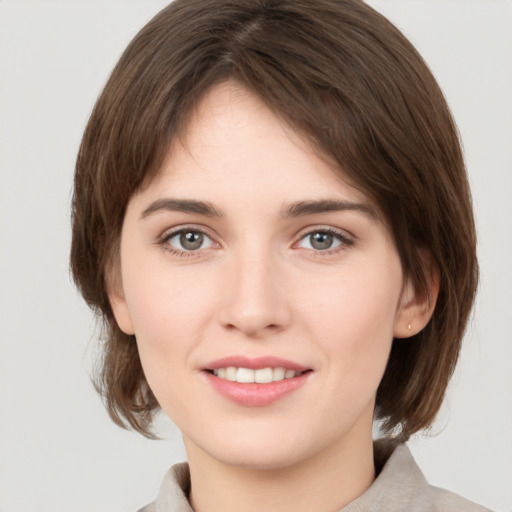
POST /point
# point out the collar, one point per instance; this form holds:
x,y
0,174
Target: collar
x,y
399,487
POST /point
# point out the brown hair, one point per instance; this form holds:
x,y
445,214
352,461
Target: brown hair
x,y
347,79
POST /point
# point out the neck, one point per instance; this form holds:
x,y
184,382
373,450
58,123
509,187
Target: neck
x,y
326,482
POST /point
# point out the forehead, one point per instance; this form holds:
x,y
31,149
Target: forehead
x,y
233,139
234,123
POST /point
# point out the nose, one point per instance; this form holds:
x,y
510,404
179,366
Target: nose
x,y
254,299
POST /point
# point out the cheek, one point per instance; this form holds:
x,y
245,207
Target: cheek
x,y
165,316
357,299
353,318
170,309
160,297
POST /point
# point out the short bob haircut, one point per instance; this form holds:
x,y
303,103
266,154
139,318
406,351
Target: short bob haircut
x,y
350,83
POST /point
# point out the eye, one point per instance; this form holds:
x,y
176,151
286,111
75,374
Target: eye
x,y
188,240
323,240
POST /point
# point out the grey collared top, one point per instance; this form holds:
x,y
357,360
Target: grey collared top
x,y
399,487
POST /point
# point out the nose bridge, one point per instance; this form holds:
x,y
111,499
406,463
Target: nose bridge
x,y
254,301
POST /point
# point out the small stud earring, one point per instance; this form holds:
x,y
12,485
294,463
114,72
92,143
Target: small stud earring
x,y
409,326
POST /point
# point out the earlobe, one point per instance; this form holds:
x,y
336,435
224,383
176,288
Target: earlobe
x,y
119,305
121,314
417,306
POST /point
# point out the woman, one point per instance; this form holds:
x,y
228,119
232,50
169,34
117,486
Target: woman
x,y
272,217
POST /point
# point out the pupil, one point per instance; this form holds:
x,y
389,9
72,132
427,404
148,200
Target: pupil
x,y
191,240
321,241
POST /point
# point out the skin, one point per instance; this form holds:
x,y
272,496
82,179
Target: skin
x,y
257,286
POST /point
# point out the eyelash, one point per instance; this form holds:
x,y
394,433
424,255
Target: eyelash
x,y
342,237
164,242
345,242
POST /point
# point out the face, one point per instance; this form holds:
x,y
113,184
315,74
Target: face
x,y
263,290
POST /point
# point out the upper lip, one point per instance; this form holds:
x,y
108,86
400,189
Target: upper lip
x,y
255,363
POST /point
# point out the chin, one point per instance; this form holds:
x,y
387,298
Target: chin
x,y
258,452
257,461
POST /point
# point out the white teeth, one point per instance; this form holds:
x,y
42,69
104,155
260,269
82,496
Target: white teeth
x,y
245,375
278,373
261,376
231,373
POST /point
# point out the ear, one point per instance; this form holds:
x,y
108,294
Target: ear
x,y
118,301
417,306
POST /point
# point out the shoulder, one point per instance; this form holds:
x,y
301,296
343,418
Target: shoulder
x,y
148,508
401,486
407,485
173,494
445,501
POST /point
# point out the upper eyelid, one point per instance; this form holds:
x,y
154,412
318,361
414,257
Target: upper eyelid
x,y
173,231
345,238
167,235
170,232
163,241
325,228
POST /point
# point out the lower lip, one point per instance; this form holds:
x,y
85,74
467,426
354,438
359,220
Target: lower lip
x,y
255,394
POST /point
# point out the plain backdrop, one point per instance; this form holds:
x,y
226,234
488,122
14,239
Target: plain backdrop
x,y
58,449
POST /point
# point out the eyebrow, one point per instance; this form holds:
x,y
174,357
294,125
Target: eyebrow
x,y
182,205
303,208
297,209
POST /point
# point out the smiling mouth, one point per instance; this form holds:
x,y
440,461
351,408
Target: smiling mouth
x,y
260,376
256,382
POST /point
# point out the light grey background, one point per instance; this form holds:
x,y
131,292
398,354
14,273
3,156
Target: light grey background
x,y
58,450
